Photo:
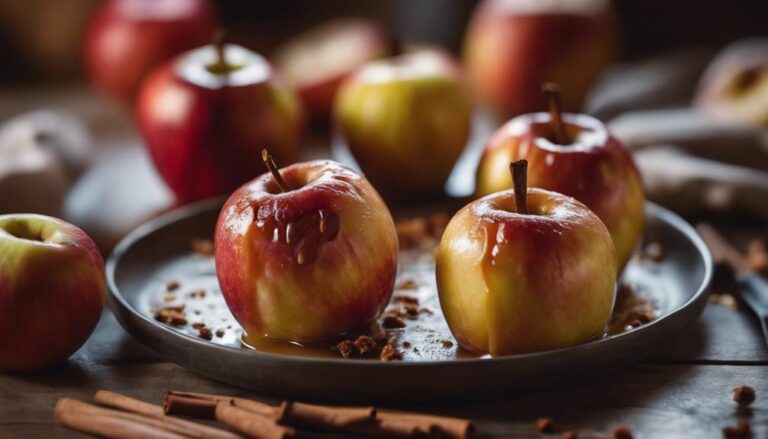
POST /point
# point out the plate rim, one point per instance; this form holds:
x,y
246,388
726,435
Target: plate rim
x,y
151,226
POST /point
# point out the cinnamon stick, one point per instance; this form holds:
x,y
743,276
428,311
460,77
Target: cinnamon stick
x,y
203,405
323,417
183,426
87,418
443,426
252,424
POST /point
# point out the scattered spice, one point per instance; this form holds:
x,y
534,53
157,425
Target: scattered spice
x,y
545,425
171,315
198,325
346,348
446,344
390,353
742,429
405,299
219,333
365,344
725,299
172,285
653,251
205,333
197,293
169,298
202,246
406,344
744,395
622,432
392,322
407,284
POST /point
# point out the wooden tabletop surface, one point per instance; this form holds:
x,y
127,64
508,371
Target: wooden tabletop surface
x,y
683,391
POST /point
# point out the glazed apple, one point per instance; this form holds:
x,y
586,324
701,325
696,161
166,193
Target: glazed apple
x,y
511,44
734,88
206,115
573,154
306,253
126,39
315,62
52,290
406,121
525,270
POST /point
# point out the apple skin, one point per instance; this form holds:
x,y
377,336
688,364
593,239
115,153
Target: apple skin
x,y
596,169
341,287
52,290
406,121
734,88
126,39
513,44
205,131
316,62
511,283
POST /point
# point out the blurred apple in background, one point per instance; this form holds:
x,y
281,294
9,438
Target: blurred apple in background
x,y
126,39
734,87
315,62
515,279
406,121
306,256
573,154
52,290
511,44
206,115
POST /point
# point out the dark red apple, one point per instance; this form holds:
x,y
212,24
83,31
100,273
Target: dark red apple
x,y
306,255
52,290
126,39
315,62
205,120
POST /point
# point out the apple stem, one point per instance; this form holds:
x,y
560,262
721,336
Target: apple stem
x,y
219,40
519,171
552,91
270,164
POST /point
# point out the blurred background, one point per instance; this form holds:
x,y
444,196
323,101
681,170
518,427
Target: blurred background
x,y
684,85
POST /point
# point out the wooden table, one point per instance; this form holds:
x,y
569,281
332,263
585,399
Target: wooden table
x,y
684,391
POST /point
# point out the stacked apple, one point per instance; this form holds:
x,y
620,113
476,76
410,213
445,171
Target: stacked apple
x,y
406,121
525,270
52,290
573,154
511,44
316,62
306,253
206,115
126,39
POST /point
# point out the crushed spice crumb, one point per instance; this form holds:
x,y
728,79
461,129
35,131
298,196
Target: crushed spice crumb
x,y
392,322
202,246
390,353
742,429
172,285
545,425
365,344
744,395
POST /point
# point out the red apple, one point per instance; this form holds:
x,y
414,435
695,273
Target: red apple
x,y
587,163
518,274
315,62
205,120
406,121
126,39
306,258
734,88
511,44
52,290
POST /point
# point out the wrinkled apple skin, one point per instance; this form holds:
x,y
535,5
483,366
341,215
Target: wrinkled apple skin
x,y
207,140
52,290
596,169
406,131
343,288
513,46
126,39
512,284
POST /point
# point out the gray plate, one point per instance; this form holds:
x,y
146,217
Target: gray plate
x,y
680,281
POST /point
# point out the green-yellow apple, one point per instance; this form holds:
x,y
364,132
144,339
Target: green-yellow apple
x,y
734,88
406,121
580,159
525,270
52,290
316,62
306,253
511,44
207,114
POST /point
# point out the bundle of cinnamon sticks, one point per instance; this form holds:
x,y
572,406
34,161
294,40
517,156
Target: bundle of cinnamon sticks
x,y
119,416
